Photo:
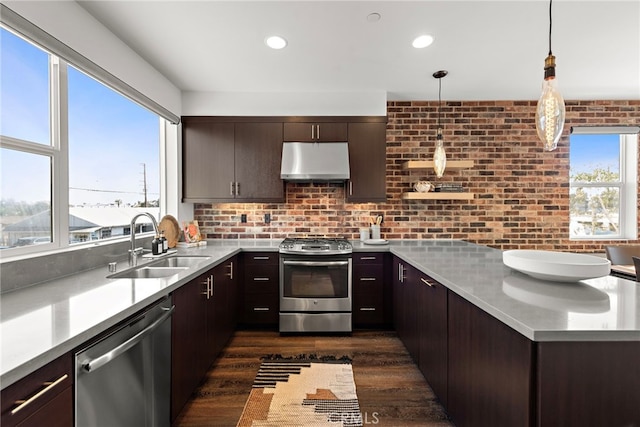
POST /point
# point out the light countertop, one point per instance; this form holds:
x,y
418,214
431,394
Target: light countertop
x,y
42,322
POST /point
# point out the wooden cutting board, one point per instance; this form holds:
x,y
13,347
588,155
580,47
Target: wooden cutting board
x,y
171,229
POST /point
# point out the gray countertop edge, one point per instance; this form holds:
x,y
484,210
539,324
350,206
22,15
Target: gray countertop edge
x,y
225,249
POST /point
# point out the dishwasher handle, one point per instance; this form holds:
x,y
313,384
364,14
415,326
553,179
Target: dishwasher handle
x,y
100,361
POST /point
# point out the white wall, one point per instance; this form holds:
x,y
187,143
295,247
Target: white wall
x,y
72,25
284,104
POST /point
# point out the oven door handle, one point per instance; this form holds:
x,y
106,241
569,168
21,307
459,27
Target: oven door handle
x,y
316,263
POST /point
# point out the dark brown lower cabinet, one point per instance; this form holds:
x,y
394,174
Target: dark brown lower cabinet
x,y
224,296
370,290
431,299
188,336
44,397
490,381
260,296
588,384
203,321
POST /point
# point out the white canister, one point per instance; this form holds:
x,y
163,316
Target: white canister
x,y
375,232
364,234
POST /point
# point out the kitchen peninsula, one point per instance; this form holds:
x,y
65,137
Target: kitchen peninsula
x,y
516,349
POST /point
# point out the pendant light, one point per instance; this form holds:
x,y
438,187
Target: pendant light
x,y
439,156
550,112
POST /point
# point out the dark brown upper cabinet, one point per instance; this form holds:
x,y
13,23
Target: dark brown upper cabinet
x,y
238,159
309,131
227,161
368,162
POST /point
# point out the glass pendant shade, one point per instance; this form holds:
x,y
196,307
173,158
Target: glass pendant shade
x,y
439,156
550,111
550,114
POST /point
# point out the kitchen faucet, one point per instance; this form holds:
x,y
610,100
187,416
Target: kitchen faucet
x,y
134,252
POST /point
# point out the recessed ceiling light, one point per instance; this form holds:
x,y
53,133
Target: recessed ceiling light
x,y
275,42
422,41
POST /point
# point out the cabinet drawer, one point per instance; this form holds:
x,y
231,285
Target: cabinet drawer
x,y
261,258
368,309
261,279
47,395
367,258
367,274
261,309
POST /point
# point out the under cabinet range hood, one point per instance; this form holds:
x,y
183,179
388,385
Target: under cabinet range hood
x,y
315,161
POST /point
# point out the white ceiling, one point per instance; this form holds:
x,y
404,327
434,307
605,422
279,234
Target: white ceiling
x,y
493,50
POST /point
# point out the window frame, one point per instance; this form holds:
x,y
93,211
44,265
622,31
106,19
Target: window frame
x,y
58,152
627,184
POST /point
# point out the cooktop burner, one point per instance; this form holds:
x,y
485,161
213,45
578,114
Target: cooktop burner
x,y
316,246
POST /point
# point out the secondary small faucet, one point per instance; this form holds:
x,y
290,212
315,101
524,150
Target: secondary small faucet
x,y
134,252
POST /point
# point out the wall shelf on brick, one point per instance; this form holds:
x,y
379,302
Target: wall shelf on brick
x,y
428,164
437,195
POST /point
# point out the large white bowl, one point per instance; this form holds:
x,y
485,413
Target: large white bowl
x,y
557,266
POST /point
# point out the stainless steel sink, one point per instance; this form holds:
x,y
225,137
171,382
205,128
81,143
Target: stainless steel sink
x,y
147,272
178,261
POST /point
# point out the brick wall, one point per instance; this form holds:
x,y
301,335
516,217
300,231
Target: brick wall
x,y
521,192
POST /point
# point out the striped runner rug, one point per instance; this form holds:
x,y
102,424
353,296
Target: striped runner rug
x,y
302,391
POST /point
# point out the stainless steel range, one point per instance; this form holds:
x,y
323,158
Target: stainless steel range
x,y
315,285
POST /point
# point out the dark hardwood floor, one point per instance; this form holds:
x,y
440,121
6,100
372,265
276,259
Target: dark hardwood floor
x,y
391,390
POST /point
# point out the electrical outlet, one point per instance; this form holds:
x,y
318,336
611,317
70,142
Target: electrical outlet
x,y
243,218
267,218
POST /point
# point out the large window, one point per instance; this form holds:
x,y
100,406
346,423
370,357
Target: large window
x,y
603,183
78,159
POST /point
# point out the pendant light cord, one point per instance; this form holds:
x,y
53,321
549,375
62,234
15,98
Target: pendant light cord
x,y
550,2
439,99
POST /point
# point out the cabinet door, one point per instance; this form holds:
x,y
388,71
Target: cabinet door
x,y
490,380
432,327
188,335
53,406
411,337
258,156
207,160
224,319
367,162
399,303
328,132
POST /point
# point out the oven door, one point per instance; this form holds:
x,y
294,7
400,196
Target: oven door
x,y
315,283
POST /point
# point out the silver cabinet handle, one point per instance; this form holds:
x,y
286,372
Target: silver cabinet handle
x,y
230,270
400,273
260,258
237,188
209,290
351,188
260,279
367,258
312,130
318,132
367,279
231,188
427,282
100,361
260,308
316,263
367,309
49,385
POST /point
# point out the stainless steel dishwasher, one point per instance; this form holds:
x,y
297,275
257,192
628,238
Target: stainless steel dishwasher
x,y
124,379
